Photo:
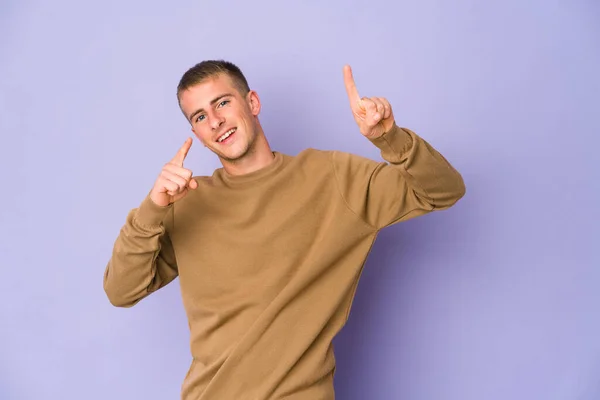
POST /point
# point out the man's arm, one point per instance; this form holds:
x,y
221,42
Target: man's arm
x,y
143,259
416,178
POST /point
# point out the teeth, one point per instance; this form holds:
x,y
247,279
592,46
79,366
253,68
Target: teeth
x,y
226,135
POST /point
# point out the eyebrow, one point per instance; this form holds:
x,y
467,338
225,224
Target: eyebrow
x,y
213,101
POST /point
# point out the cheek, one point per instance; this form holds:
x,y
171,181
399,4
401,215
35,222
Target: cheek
x,y
203,134
247,115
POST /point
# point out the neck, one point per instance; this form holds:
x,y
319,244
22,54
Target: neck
x,y
259,156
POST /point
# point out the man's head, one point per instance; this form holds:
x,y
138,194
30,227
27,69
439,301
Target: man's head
x,y
216,100
209,69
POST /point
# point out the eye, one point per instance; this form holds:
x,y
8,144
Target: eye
x,y
223,103
200,118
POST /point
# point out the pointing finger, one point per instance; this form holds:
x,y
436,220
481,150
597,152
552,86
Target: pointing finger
x,y
353,95
182,153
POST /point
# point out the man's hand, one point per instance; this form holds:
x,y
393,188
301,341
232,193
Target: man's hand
x,y
174,181
373,115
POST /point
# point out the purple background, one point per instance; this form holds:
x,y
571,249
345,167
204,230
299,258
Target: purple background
x,y
494,299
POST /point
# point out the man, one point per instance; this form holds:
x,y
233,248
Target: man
x,y
269,248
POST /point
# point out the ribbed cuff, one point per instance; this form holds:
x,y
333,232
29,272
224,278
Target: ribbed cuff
x,y
394,143
150,214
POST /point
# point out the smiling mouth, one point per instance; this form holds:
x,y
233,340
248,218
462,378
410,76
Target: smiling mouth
x,y
226,135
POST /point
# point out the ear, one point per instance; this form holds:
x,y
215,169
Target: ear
x,y
253,102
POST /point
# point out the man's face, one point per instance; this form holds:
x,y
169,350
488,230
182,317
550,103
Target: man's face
x,y
221,117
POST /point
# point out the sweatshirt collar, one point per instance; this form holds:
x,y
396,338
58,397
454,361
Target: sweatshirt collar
x,y
255,176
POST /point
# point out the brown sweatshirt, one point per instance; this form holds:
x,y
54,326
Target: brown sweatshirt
x,y
268,262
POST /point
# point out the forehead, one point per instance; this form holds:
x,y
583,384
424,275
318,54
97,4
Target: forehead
x,y
201,94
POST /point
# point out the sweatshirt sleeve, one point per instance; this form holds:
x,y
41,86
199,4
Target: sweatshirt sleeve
x,y
414,180
142,259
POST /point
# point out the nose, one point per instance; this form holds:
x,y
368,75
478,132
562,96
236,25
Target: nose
x,y
216,121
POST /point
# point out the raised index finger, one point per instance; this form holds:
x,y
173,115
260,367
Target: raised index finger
x,y
182,153
351,87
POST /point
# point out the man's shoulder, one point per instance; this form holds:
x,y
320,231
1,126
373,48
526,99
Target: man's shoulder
x,y
313,153
327,155
204,178
333,156
311,158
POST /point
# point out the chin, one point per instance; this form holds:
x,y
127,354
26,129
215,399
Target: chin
x,y
234,156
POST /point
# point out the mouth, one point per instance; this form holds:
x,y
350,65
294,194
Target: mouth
x,y
226,137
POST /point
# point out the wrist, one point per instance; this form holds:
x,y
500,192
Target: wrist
x,y
150,213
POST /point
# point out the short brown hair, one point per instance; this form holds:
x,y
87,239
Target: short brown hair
x,y
211,68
